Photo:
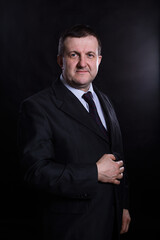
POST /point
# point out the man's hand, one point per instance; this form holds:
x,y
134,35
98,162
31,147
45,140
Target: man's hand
x,y
125,221
109,170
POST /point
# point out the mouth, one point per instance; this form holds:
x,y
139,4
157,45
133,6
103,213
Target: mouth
x,y
81,71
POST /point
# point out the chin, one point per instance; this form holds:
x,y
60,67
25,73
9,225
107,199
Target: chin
x,y
82,82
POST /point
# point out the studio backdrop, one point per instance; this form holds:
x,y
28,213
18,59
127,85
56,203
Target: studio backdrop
x,y
128,74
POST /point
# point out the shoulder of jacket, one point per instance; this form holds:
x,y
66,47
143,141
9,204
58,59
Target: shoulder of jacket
x,y
39,96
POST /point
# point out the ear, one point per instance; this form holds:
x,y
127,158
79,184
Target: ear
x,y
60,61
99,59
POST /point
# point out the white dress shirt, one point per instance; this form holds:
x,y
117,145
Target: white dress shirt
x,y
79,93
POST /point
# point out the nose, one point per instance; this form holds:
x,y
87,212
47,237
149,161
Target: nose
x,y
82,62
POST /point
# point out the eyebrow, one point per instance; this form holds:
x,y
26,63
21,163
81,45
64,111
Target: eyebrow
x,y
91,52
79,52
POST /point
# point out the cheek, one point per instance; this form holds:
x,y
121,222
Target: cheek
x,y
69,66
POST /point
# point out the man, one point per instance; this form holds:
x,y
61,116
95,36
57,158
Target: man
x,y
71,148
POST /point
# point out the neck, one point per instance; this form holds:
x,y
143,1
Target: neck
x,y
82,87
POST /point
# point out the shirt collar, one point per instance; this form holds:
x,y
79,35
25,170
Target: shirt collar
x,y
77,92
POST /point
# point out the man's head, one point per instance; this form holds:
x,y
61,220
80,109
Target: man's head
x,y
77,31
79,56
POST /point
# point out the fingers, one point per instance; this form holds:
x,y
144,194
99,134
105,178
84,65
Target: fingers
x,y
121,170
120,174
124,228
125,221
110,170
116,182
120,163
112,157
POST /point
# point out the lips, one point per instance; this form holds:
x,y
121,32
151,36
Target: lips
x,y
82,71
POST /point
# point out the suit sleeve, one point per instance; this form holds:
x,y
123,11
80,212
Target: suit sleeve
x,y
38,161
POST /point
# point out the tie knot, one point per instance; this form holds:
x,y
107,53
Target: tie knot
x,y
88,97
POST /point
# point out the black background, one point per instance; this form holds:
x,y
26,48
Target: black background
x,y
129,74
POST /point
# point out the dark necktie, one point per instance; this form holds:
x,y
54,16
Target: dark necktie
x,y
93,111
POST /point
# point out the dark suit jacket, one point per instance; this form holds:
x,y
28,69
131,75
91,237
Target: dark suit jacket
x,y
60,145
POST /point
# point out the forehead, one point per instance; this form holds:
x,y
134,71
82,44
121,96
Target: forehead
x,y
88,43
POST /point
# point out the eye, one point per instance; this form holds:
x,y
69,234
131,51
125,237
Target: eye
x,y
90,55
73,55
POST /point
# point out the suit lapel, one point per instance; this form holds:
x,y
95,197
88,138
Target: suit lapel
x,y
68,103
109,114
104,107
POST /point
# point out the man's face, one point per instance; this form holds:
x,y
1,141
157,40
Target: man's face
x,y
80,61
